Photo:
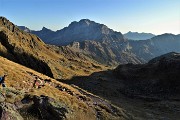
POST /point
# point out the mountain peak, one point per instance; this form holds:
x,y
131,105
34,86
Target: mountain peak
x,y
46,29
86,21
9,25
4,20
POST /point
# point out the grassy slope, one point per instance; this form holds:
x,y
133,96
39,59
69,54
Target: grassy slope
x,y
22,78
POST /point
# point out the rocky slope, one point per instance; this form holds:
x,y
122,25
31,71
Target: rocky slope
x,y
108,53
146,91
129,51
24,99
138,36
114,53
29,50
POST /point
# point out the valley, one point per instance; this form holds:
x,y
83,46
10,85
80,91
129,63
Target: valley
x,y
87,71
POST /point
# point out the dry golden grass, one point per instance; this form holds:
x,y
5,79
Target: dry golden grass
x,y
21,79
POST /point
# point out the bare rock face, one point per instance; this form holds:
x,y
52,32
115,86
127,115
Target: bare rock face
x,y
39,107
109,53
159,77
42,107
9,112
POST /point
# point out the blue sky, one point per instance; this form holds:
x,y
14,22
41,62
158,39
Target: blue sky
x,y
152,16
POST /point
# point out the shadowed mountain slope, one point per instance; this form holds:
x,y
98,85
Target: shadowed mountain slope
x,y
159,77
146,91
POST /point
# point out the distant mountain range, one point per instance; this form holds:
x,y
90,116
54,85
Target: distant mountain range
x,y
138,36
106,46
78,31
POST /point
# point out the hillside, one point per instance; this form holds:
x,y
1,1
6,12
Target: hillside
x,y
158,78
146,91
29,50
138,36
53,100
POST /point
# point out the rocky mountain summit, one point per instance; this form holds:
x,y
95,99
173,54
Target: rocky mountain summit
x,y
85,29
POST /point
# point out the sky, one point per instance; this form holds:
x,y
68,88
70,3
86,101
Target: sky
x,y
151,16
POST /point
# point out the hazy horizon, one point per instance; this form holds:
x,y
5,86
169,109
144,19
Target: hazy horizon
x,y
153,16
